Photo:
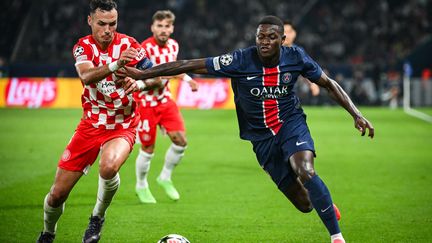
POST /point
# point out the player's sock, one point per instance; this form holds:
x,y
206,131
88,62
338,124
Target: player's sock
x,y
172,158
322,202
337,238
106,192
142,167
51,216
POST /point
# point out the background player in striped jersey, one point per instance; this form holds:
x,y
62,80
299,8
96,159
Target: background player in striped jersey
x,y
108,124
290,35
270,114
157,108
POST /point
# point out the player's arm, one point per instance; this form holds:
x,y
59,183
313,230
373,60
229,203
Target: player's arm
x,y
169,69
339,95
89,74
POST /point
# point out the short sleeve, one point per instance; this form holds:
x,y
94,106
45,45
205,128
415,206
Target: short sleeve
x,y
142,56
311,70
82,52
227,65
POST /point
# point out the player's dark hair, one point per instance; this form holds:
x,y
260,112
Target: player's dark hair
x,y
289,22
163,14
273,20
106,5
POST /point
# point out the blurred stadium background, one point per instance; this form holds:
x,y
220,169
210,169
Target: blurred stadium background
x,y
381,186
362,44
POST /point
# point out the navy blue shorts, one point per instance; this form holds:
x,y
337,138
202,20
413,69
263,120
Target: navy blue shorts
x,y
273,154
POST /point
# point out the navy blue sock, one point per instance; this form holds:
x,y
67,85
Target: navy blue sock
x,y
322,202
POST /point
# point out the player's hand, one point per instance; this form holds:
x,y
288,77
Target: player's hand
x,y
129,85
127,56
193,85
362,125
120,73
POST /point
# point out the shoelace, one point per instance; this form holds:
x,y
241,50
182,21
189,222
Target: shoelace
x,y
95,225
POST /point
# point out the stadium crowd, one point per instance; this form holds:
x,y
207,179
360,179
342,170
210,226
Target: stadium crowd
x,y
363,40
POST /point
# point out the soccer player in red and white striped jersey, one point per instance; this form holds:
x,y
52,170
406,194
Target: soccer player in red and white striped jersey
x,y
108,125
156,108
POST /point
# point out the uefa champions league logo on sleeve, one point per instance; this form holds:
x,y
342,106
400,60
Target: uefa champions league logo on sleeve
x,y
78,51
226,59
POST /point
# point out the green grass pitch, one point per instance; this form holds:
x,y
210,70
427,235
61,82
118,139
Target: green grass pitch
x,y
382,186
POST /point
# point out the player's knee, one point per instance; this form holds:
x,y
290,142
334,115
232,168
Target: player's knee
x,y
179,139
57,198
108,170
305,174
181,143
148,149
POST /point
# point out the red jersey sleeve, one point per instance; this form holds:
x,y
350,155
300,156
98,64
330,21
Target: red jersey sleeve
x,y
142,54
82,52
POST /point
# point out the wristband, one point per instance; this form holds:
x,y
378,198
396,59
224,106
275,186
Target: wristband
x,y
187,78
113,66
140,84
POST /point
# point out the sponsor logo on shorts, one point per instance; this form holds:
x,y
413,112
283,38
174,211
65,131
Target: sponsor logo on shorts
x,y
66,155
300,143
146,137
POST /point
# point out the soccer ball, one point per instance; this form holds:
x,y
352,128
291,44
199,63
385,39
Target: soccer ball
x,y
173,238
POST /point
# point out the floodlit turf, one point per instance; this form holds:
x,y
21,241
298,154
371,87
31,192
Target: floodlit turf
x,y
382,186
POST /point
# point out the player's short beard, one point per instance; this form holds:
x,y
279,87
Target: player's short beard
x,y
163,39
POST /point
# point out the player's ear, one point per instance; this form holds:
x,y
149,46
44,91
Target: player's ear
x,y
89,20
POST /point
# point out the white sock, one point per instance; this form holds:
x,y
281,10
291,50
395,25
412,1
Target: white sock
x,y
142,167
172,158
51,216
106,192
336,236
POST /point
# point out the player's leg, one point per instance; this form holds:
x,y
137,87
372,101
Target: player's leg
x,y
298,195
54,201
302,163
147,136
114,153
79,154
174,154
172,121
142,168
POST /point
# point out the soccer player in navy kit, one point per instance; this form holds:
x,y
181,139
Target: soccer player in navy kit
x,y
270,115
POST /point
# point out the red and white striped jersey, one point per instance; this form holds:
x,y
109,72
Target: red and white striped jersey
x,y
158,55
104,103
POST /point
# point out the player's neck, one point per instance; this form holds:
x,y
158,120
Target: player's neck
x,y
270,61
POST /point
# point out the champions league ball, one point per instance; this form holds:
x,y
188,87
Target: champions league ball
x,y
173,238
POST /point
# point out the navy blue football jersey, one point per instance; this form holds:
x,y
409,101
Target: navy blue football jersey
x,y
264,96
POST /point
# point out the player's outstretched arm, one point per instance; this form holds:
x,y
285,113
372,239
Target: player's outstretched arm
x,y
168,69
339,95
